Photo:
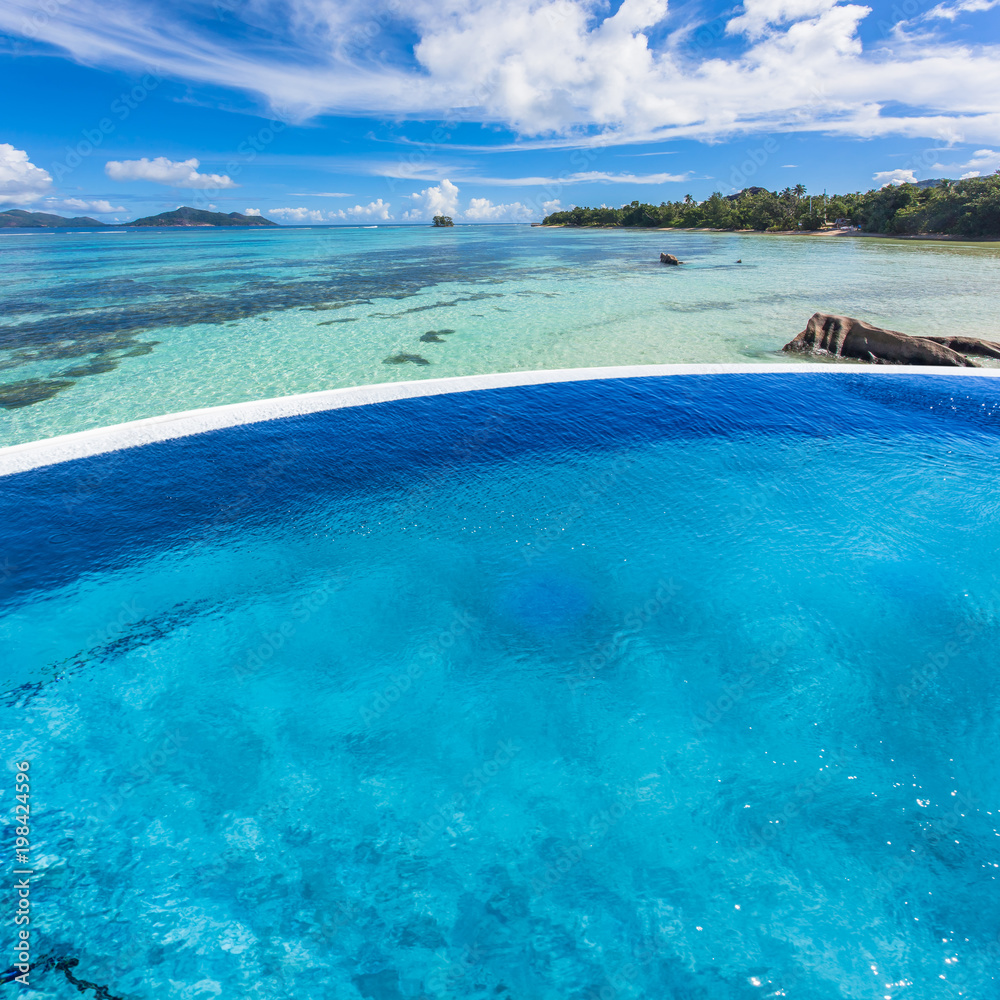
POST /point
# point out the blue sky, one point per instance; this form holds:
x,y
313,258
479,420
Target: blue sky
x,y
342,111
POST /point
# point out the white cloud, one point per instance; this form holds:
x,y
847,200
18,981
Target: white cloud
x,y
760,16
21,182
982,161
297,214
483,210
886,177
558,68
322,194
951,11
251,211
581,177
99,205
173,173
548,207
970,174
439,200
373,210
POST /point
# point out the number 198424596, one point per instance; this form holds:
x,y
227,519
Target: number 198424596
x,y
22,812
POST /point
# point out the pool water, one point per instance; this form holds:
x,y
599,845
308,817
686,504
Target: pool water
x,y
672,687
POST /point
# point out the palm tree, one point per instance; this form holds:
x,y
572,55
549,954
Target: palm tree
x,y
800,190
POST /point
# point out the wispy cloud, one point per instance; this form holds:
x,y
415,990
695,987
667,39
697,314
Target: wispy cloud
x,y
952,11
580,177
982,161
99,205
560,71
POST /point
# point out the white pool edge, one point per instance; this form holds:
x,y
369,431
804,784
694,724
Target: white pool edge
x,y
100,440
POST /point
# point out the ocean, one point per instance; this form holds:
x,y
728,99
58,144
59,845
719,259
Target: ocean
x,y
105,326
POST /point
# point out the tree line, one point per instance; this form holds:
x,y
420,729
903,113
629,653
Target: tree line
x,y
968,207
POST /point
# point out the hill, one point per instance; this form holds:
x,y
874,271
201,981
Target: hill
x,y
186,216
16,218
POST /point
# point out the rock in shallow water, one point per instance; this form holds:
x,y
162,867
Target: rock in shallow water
x,y
401,359
669,258
845,337
14,395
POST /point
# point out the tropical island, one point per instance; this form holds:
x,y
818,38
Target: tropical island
x,y
186,216
16,218
969,208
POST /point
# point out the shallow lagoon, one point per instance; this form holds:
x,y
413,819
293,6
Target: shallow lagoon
x,y
115,325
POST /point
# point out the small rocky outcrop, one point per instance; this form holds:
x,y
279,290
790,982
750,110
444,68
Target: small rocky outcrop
x,y
669,258
845,337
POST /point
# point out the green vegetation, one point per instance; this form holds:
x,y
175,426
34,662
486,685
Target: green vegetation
x,y
443,220
16,218
186,216
965,208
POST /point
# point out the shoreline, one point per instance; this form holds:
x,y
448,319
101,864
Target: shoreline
x,y
929,237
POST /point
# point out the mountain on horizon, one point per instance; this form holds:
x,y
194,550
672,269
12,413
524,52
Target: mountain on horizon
x,y
186,216
17,218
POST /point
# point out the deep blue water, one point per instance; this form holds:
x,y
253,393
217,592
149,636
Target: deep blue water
x,y
678,688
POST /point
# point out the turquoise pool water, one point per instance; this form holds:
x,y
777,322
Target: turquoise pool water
x,y
98,328
678,688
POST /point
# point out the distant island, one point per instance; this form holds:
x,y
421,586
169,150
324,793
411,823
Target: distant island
x,y
197,217
969,208
15,218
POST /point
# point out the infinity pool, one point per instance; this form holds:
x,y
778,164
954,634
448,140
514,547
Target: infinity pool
x,y
666,687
